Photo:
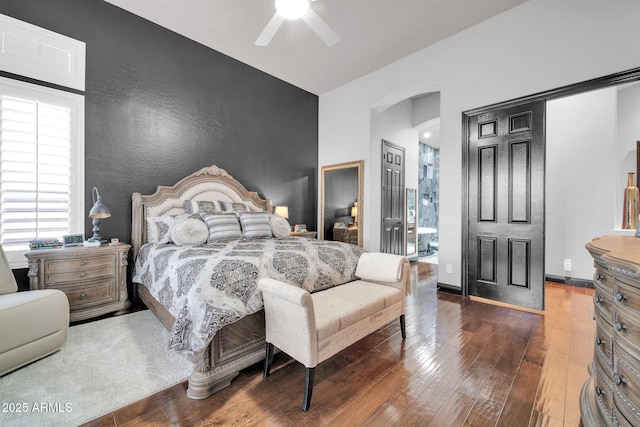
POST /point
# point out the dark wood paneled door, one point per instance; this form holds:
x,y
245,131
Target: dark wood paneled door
x,y
506,205
392,238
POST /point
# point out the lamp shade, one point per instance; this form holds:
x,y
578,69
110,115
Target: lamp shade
x,y
98,210
282,211
354,211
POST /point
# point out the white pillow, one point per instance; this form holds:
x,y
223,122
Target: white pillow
x,y
159,227
280,227
191,231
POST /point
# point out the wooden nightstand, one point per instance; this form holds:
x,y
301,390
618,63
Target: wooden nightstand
x,y
346,235
307,234
94,279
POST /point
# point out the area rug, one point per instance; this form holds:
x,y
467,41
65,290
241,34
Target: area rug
x,y
105,365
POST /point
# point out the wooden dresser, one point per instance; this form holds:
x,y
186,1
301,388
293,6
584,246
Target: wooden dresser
x,y
346,235
94,279
612,394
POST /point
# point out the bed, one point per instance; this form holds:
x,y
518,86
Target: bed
x,y
214,313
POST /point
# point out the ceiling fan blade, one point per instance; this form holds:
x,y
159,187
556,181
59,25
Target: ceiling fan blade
x,y
320,28
270,30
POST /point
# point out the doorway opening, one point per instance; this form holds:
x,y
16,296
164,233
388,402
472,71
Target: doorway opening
x,y
593,170
426,117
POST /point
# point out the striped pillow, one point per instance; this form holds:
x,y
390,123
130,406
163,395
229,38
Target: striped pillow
x,y
255,224
222,226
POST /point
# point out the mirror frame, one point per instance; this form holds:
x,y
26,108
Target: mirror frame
x,y
414,225
360,166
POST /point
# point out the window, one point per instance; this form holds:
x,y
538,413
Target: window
x,y
41,166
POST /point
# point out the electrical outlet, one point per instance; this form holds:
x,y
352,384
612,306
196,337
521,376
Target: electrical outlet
x,y
567,264
449,268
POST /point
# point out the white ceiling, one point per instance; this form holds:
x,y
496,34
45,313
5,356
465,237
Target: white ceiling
x,y
373,33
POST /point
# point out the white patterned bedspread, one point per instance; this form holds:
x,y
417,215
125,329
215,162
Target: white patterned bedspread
x,y
207,287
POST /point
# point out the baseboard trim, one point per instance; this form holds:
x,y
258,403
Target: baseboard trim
x,y
569,281
504,304
449,289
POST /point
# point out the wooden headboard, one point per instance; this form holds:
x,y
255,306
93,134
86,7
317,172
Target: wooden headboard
x,y
210,183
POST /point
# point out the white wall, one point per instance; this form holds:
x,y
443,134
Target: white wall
x,y
394,125
537,46
580,176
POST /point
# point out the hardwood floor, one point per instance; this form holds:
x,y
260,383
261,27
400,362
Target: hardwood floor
x,y
463,363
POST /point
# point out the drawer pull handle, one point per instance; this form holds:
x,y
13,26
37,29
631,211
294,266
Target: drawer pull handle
x,y
597,299
83,295
620,297
599,391
619,380
83,275
83,263
598,276
599,341
619,326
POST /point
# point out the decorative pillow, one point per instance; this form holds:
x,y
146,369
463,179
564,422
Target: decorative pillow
x,y
235,207
200,206
191,231
222,226
280,227
255,224
159,227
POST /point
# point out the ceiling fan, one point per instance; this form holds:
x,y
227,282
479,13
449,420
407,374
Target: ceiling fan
x,y
296,9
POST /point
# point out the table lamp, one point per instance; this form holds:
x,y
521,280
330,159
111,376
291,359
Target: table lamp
x,y
354,213
97,212
282,211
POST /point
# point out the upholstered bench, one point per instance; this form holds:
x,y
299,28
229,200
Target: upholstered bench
x,y
312,327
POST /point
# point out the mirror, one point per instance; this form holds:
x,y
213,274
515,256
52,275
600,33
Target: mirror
x,y
341,200
412,218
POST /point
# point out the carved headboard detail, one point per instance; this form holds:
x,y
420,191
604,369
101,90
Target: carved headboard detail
x,y
209,183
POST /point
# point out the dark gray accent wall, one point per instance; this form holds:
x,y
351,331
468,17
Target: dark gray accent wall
x,y
160,106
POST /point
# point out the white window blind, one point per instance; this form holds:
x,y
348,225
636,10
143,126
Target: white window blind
x,y
41,166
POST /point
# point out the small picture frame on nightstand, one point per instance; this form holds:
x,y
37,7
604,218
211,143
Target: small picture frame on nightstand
x,y
73,240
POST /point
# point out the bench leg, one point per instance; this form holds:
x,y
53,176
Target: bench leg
x,y
308,388
268,359
403,329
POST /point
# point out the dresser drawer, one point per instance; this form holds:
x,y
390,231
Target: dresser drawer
x,y
604,395
603,342
627,296
603,301
622,421
627,328
78,275
627,374
90,293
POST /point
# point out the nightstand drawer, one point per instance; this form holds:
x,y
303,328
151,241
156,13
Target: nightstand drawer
x,y
94,279
78,275
90,294
64,265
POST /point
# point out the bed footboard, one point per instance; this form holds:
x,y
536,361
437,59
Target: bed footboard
x,y
235,347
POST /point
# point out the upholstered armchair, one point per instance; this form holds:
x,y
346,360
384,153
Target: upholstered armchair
x,y
33,324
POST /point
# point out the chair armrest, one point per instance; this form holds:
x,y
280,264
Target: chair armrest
x,y
290,321
385,269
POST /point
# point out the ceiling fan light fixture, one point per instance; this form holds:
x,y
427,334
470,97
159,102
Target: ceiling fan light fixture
x,y
292,9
